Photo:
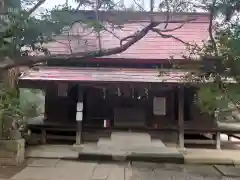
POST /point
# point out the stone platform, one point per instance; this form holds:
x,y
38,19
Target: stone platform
x,y
128,146
135,147
146,154
129,140
91,152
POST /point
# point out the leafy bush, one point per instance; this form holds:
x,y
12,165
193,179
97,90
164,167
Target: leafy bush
x,y
31,102
11,114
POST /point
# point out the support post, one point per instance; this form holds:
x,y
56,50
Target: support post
x,y
79,117
218,134
229,137
79,133
218,140
181,118
43,137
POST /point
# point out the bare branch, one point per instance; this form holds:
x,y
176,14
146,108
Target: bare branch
x,y
140,7
178,27
151,5
69,43
168,13
78,6
159,32
97,18
173,29
34,8
105,29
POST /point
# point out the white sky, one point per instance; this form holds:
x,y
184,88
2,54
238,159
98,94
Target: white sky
x,y
51,3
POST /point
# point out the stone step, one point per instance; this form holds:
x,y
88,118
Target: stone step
x,y
129,141
130,138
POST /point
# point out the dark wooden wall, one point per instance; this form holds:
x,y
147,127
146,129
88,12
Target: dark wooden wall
x,y
60,110
97,108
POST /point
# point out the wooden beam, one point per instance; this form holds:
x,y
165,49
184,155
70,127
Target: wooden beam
x,y
199,142
181,117
79,117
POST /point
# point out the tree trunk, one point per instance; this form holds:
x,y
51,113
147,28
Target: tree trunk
x,y
10,77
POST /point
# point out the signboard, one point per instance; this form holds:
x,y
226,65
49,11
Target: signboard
x,y
159,106
79,116
79,106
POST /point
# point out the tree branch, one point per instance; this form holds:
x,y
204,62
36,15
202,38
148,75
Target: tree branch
x,y
105,29
173,29
34,8
159,32
210,28
30,60
78,6
126,38
139,6
168,13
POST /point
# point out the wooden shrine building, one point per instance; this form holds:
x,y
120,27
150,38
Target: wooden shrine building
x,y
122,91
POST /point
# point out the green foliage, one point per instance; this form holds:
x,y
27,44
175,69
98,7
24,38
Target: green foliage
x,y
227,65
13,3
103,4
17,30
11,115
31,102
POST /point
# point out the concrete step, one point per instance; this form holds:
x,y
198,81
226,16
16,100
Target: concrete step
x,y
163,155
128,141
130,138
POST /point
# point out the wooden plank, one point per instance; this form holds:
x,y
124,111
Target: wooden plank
x,y
139,129
230,142
200,142
60,137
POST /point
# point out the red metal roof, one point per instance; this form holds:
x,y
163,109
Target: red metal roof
x,y
152,46
102,75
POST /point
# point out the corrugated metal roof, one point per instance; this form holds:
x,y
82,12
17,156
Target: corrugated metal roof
x,y
103,75
152,46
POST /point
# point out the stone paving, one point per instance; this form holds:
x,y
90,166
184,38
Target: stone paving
x,y
56,169
189,156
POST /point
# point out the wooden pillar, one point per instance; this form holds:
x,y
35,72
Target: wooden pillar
x,y
229,137
218,134
43,136
79,117
181,117
218,140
